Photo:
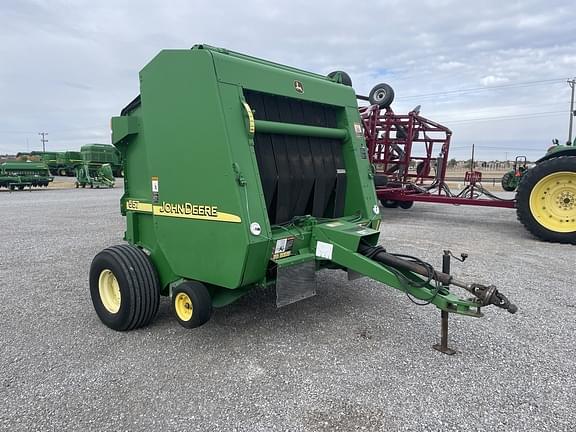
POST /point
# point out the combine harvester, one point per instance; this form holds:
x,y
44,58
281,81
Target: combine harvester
x,y
545,201
272,183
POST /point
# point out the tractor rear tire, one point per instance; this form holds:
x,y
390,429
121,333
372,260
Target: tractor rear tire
x,y
124,287
192,304
546,200
382,95
506,182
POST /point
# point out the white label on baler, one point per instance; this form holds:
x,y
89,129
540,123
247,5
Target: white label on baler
x,y
154,184
324,250
280,246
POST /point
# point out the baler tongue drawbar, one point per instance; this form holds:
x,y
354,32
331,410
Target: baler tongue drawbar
x,y
487,295
350,247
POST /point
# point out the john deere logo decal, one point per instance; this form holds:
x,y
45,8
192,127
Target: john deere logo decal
x,y
298,86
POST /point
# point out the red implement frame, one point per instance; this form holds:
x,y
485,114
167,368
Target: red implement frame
x,y
412,152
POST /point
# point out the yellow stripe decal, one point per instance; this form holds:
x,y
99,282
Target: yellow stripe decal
x,y
135,205
184,211
219,217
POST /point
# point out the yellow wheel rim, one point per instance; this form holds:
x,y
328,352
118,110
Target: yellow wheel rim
x,y
553,202
109,291
183,306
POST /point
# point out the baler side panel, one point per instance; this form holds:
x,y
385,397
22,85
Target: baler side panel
x,y
248,187
192,160
360,193
137,188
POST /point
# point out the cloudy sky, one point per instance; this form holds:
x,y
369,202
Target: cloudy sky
x,y
493,71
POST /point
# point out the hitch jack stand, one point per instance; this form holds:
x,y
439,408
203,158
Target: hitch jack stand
x,y
443,345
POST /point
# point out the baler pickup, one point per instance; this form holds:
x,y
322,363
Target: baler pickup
x,y
241,173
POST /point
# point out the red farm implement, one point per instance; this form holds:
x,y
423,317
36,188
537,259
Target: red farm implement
x,y
411,153
410,156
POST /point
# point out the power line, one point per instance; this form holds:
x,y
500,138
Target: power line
x,y
511,117
495,87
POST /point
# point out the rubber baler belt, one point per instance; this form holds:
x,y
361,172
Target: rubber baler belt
x,y
300,175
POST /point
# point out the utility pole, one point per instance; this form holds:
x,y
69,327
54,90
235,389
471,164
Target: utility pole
x,y
43,140
571,83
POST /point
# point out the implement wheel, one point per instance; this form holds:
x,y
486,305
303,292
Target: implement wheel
x,y
405,204
381,95
192,304
546,200
124,287
507,182
389,203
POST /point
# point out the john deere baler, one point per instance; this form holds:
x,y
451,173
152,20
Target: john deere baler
x,y
242,173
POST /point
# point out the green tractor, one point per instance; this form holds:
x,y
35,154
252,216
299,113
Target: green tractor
x,y
512,178
546,196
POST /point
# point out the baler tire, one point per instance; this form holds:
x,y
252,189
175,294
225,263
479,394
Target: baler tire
x,y
382,95
124,287
344,78
405,204
191,304
421,171
551,178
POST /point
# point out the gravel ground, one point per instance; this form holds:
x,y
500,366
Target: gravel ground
x,y
357,356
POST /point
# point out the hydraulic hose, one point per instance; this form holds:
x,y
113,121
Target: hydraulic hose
x,y
488,295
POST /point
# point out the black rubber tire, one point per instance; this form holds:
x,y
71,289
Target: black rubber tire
x,y
506,182
201,303
138,283
389,203
529,180
420,169
77,185
62,172
20,187
344,78
380,180
382,95
405,204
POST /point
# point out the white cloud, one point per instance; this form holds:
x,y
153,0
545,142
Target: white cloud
x,y
491,80
67,67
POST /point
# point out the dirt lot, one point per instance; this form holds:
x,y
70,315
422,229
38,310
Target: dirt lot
x,y
355,357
